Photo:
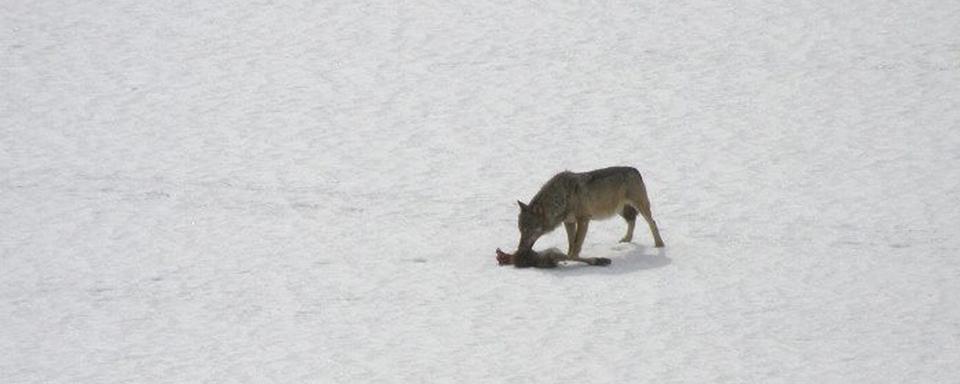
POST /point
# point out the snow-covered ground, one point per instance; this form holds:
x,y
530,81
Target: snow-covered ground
x,y
297,191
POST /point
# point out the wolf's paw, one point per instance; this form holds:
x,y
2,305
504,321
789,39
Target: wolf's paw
x,y
601,261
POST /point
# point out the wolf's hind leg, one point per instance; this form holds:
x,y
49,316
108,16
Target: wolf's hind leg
x,y
644,208
630,215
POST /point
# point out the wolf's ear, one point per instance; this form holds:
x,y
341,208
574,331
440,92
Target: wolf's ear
x,y
523,207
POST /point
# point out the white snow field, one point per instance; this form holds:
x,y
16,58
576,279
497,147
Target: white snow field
x,y
297,191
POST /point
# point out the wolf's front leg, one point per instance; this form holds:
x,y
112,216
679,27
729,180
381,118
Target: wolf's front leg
x,y
582,226
571,228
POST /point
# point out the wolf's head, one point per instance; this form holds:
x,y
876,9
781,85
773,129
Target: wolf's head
x,y
531,225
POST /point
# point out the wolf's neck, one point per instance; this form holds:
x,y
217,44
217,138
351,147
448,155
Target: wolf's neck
x,y
554,211
555,198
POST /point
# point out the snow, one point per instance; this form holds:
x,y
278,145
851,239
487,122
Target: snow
x,y
299,191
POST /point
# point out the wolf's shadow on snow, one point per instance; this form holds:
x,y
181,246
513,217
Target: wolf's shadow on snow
x,y
626,258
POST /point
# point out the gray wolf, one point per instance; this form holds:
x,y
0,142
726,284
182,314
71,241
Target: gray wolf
x,y
575,199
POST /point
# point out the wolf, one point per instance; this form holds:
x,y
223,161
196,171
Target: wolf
x,y
575,199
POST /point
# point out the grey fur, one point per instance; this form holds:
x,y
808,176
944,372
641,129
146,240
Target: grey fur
x,y
574,199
